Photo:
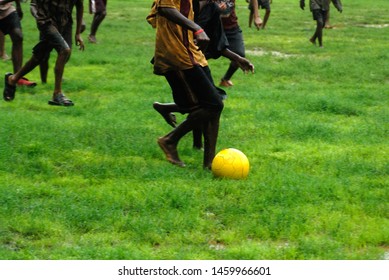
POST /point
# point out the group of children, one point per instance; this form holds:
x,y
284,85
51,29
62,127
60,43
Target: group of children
x,y
189,32
54,21
179,39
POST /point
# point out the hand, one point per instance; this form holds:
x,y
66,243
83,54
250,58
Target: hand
x,y
201,40
20,13
222,6
258,22
302,4
245,65
80,42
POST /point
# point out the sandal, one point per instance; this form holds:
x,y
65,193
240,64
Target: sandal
x,y
9,90
61,100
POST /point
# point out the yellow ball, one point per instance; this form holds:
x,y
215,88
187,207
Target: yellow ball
x,y
230,163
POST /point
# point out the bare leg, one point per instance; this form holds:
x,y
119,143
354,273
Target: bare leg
x,y
166,110
318,33
17,49
251,17
198,138
63,57
169,142
266,18
211,131
27,68
3,54
44,69
97,20
328,24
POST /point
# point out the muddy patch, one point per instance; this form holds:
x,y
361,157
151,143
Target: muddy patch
x,y
262,52
375,25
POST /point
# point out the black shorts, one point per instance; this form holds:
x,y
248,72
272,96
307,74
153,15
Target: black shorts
x,y
319,15
97,6
193,88
264,4
9,23
235,40
51,38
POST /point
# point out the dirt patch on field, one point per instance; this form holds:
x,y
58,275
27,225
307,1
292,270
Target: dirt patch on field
x,y
262,52
375,25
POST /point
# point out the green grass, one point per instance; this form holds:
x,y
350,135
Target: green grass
x,y
90,182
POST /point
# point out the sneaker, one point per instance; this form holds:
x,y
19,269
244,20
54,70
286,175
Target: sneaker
x,y
25,82
226,83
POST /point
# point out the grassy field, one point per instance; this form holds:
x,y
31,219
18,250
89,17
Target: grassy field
x,y
90,182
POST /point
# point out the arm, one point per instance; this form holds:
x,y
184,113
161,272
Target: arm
x,y
302,4
176,17
338,5
257,19
2,2
242,62
33,10
19,9
79,14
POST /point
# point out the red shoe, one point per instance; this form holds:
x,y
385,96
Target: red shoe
x,y
25,82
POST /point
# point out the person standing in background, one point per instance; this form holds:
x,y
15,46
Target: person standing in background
x,y
319,9
235,40
10,24
254,6
99,10
54,21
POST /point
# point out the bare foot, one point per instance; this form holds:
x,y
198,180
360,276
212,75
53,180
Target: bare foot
x,y
226,83
92,39
170,151
170,118
4,57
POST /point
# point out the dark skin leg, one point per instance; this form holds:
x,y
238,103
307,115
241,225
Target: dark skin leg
x,y
251,17
63,57
3,54
166,109
169,142
328,24
17,48
27,68
231,70
266,18
198,138
44,69
97,20
318,33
